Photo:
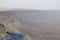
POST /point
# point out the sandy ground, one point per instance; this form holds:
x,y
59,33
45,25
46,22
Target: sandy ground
x,y
50,28
13,25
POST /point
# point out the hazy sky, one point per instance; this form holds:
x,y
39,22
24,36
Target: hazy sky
x,y
31,4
